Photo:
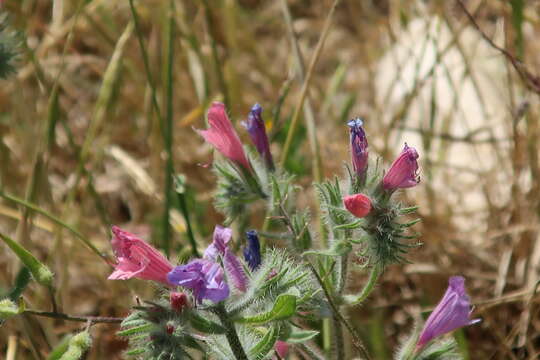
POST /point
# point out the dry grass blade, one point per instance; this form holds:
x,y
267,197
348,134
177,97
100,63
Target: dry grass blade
x,y
305,86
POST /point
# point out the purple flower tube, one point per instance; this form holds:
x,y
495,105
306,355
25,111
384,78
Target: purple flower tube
x,y
359,147
257,133
452,312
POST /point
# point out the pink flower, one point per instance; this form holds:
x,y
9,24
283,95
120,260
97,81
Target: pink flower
x,y
222,135
282,348
404,171
358,204
136,258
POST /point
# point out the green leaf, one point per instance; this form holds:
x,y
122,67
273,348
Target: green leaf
x,y
298,336
8,309
284,308
204,325
266,344
78,345
408,210
135,330
60,349
350,226
338,249
21,282
410,223
40,272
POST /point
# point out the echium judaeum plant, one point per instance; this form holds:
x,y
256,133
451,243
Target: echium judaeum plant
x,y
248,299
269,302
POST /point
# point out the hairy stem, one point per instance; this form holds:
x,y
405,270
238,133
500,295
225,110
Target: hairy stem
x,y
339,344
79,318
368,287
231,334
357,342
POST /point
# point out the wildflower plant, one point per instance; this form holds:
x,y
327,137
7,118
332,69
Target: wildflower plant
x,y
250,297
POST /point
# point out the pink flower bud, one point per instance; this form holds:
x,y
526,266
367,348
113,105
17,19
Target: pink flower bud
x,y
358,204
404,171
282,348
223,137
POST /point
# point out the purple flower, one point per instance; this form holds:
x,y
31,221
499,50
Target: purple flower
x,y
257,133
204,277
359,146
220,240
252,253
235,271
404,171
452,312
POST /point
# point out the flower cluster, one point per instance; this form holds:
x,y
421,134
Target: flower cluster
x,y
205,277
257,293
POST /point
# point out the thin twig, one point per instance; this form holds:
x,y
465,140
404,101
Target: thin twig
x,y
531,81
79,318
308,109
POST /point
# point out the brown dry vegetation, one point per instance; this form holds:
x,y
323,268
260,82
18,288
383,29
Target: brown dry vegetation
x,y
103,162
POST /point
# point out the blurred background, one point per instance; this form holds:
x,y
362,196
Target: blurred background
x,y
81,139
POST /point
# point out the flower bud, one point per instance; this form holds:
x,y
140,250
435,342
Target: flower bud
x,y
358,204
257,133
252,253
178,301
404,171
282,348
359,147
222,135
452,312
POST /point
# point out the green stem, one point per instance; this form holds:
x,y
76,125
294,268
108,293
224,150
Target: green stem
x,y
339,344
55,220
231,334
167,131
376,271
357,342
146,62
185,212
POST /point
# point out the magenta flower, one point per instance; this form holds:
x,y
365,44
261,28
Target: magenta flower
x,y
404,171
452,312
257,133
223,137
202,276
136,258
359,146
358,204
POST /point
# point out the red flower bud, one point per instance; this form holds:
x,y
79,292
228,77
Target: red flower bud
x,y
178,301
358,204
